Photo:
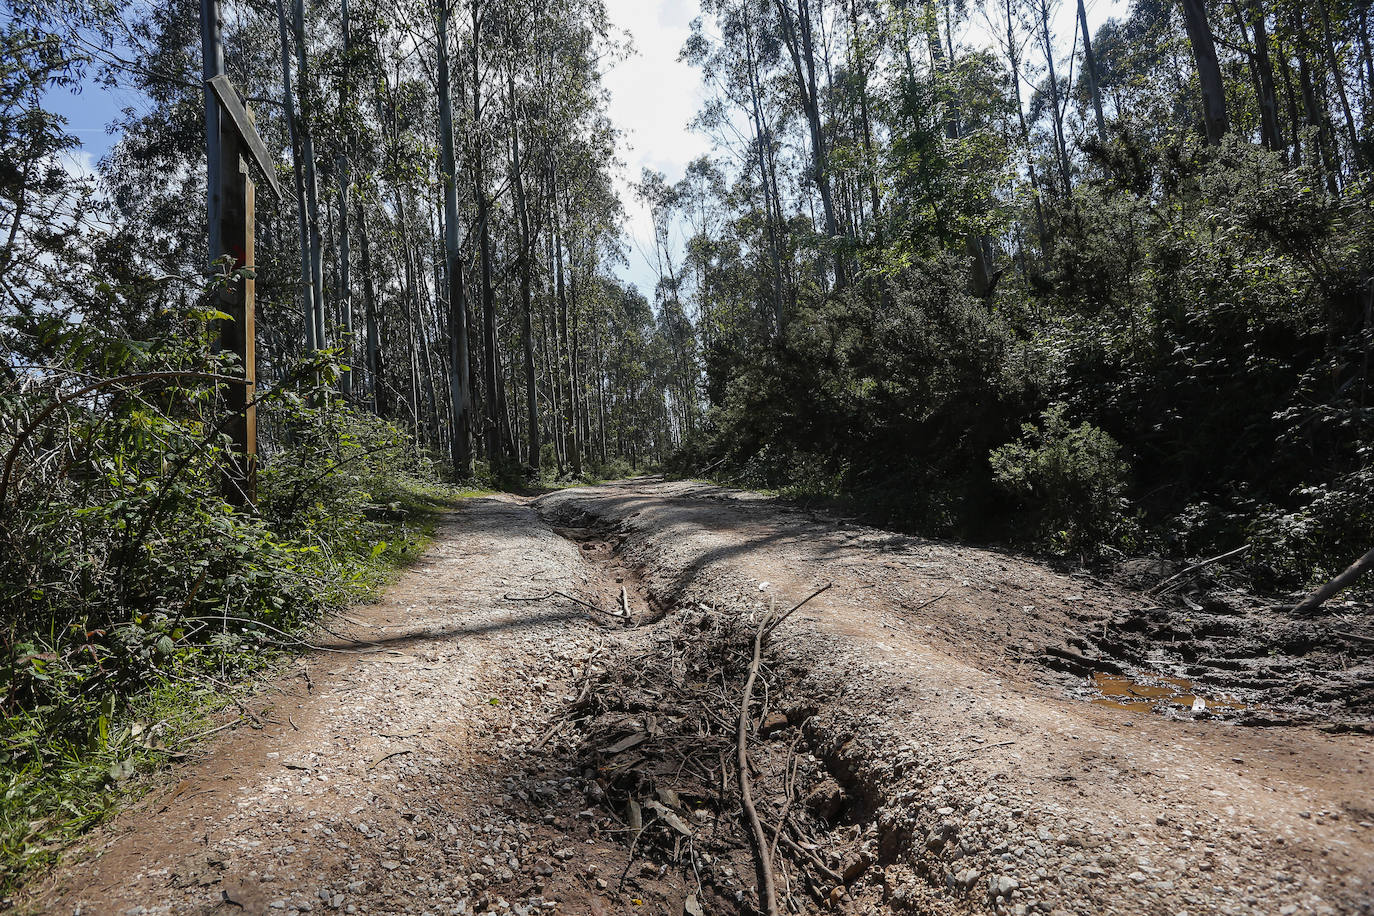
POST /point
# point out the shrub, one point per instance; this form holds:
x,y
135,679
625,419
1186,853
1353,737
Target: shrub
x,y
1068,480
133,595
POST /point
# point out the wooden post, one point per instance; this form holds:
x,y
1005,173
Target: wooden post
x,y
238,333
231,141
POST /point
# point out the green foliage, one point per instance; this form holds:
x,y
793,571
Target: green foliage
x,y
1202,314
893,394
1221,338
1068,479
125,574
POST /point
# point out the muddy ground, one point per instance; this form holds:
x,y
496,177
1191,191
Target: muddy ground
x,y
542,717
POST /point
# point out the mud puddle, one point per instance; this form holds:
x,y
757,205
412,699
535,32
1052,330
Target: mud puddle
x,y
1149,692
1253,663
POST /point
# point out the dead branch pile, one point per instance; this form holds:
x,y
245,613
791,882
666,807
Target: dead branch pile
x,y
667,732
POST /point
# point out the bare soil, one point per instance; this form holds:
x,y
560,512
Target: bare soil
x,y
930,734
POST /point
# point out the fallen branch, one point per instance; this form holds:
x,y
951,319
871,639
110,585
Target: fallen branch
x,y
713,465
557,594
1341,582
1169,582
768,896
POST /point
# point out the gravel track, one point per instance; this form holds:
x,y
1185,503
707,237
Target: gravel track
x,y
437,764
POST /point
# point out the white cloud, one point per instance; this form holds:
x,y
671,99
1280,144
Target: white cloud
x,y
79,163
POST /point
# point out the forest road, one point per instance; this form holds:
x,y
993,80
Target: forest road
x,y
496,735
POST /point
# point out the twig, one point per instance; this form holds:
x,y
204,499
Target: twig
x,y
976,750
796,607
386,757
1168,583
768,896
625,600
205,734
813,858
557,594
553,730
634,845
929,601
787,790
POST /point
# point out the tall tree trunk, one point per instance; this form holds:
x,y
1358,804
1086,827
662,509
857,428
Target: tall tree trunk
x,y
553,355
460,426
1367,55
764,146
865,121
1091,68
491,376
573,449
1338,78
311,185
374,350
409,303
526,269
797,36
601,391
345,291
1294,120
1214,117
312,330
1316,115
1264,72
1061,148
1014,58
424,351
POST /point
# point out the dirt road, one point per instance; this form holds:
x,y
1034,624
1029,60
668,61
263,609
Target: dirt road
x,y
499,735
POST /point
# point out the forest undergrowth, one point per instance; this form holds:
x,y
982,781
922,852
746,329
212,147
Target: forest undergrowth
x,y
141,606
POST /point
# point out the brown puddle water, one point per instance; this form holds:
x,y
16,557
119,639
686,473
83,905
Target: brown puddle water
x,y
1121,692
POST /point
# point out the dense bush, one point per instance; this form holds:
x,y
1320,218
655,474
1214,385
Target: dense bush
x,y
1202,315
893,395
1068,480
129,587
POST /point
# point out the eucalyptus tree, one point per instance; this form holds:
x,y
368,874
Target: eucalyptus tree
x,y
740,66
1214,116
459,373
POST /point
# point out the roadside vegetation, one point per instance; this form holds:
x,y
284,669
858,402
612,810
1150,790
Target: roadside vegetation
x,y
139,604
1114,300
